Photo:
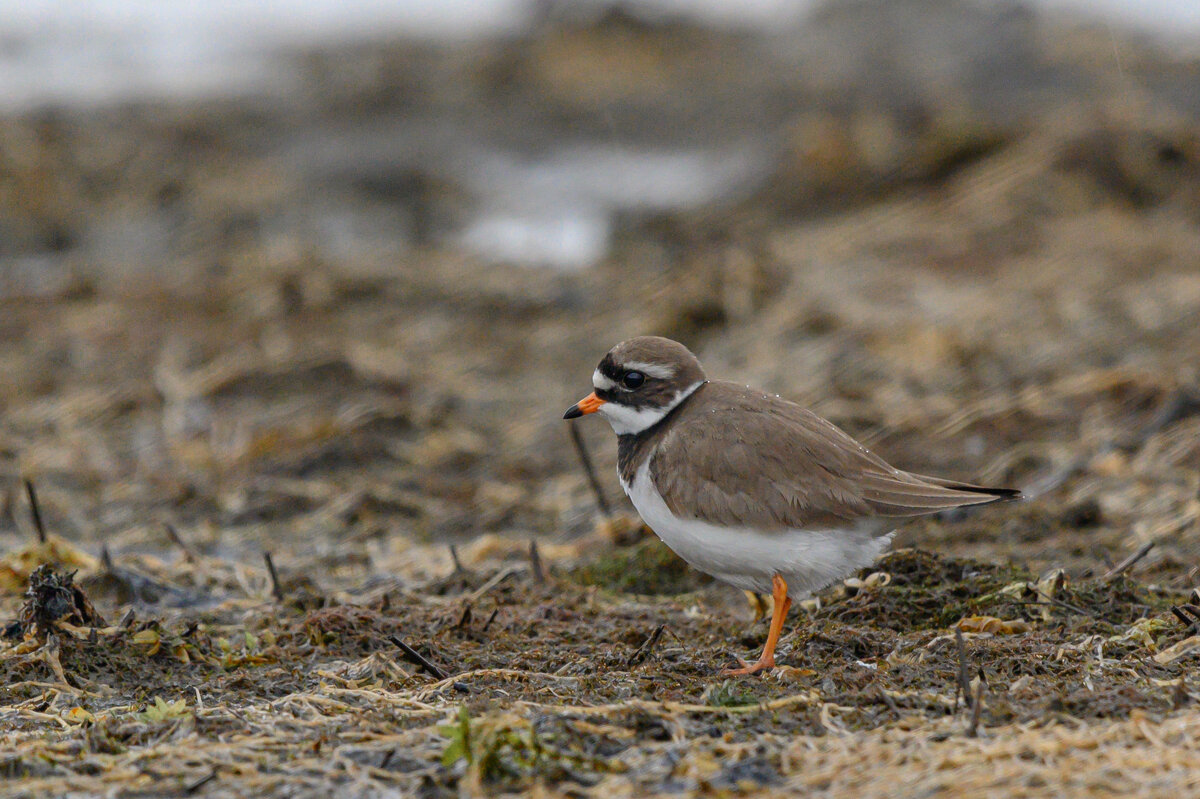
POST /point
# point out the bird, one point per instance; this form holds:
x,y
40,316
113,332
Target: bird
x,y
755,490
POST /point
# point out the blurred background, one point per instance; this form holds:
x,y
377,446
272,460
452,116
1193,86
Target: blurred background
x,y
322,277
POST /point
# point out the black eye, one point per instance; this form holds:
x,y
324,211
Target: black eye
x,y
633,379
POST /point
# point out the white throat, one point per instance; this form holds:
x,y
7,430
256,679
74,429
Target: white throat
x,y
631,421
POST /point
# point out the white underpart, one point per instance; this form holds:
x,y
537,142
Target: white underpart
x,y
748,559
627,420
601,382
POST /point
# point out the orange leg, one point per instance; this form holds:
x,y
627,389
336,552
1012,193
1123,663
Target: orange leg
x,y
779,592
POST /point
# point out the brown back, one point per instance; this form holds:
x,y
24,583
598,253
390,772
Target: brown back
x,y
737,457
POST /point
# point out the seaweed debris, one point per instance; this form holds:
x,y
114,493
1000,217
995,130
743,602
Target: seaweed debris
x,y
52,597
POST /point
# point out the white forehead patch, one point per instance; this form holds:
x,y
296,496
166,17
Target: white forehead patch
x,y
652,369
601,382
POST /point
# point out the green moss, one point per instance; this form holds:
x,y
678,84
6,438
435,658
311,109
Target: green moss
x,y
931,592
730,693
648,567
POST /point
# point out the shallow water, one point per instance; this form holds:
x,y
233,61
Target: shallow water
x,y
106,50
551,205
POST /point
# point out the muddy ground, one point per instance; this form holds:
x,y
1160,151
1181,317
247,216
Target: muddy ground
x,y
232,328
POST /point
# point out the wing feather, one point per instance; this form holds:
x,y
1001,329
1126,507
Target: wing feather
x,y
771,464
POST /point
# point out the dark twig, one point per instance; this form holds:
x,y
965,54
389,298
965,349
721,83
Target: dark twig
x,y
173,534
106,559
458,567
35,510
275,589
976,708
963,688
490,619
465,618
1189,614
1188,622
535,560
413,656
586,460
1128,563
387,758
647,647
128,619
196,785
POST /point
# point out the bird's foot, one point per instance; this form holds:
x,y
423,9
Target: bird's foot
x,y
763,664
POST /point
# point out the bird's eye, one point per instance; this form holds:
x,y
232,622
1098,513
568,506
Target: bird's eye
x,y
633,379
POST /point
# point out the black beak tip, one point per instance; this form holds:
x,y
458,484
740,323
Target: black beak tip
x,y
573,412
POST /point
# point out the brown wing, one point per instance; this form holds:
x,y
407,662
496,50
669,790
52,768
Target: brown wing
x,y
771,464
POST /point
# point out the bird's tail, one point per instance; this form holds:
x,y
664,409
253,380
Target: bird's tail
x,y
997,494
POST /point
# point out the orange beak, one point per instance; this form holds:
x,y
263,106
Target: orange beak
x,y
589,404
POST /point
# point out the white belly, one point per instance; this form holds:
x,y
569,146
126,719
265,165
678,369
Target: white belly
x,y
748,559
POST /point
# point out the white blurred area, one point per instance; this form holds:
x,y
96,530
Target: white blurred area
x,y
553,204
99,51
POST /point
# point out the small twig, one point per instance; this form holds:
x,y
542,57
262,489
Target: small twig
x,y
413,656
188,553
586,460
963,688
1128,563
891,703
490,619
1189,615
976,708
535,561
196,785
387,758
128,619
647,647
1188,622
465,618
239,716
498,578
458,567
35,510
1046,598
275,588
106,559
385,604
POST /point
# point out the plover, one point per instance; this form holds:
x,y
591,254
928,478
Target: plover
x,y
755,490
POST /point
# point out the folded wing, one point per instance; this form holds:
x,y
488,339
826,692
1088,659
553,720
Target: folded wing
x,y
772,464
